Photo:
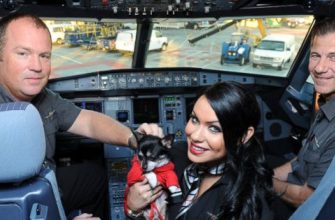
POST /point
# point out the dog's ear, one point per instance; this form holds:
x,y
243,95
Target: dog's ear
x,y
167,141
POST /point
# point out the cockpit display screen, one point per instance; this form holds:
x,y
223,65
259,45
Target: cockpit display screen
x,y
146,110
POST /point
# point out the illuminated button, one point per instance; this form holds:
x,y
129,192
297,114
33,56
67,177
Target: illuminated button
x,y
141,80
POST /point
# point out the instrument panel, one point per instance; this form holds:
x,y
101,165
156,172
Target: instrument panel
x,y
151,79
169,111
164,97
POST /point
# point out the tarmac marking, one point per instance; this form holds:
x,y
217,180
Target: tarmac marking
x,y
67,58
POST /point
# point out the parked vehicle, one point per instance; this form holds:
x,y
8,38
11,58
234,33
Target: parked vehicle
x,y
274,51
125,41
57,32
86,39
295,22
106,43
89,43
198,25
237,50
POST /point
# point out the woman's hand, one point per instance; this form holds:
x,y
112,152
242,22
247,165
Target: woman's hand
x,y
86,216
140,195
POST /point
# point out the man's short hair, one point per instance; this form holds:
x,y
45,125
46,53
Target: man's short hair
x,y
323,27
6,20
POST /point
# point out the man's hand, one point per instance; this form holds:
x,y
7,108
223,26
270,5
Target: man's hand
x,y
152,129
145,128
140,195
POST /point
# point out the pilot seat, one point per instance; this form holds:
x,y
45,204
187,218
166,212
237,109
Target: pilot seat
x,y
28,190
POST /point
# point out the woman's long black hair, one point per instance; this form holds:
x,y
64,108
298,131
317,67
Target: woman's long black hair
x,y
249,179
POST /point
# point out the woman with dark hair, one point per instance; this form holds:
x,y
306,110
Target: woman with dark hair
x,y
228,178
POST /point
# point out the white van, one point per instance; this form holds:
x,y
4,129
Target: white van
x,y
57,32
125,41
274,50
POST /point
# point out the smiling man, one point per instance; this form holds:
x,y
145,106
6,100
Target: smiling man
x,y
295,181
25,64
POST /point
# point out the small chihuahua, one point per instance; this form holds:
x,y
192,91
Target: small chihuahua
x,y
153,163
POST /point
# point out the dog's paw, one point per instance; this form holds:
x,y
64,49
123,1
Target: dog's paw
x,y
152,179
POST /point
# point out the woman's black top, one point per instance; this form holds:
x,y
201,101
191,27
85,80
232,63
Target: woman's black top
x,y
207,206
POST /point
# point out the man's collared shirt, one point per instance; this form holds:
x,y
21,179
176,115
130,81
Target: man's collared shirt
x,y
318,148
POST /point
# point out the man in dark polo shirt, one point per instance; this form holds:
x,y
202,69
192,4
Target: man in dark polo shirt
x,y
296,180
25,64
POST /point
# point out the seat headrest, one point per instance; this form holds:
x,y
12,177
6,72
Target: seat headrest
x,y
22,142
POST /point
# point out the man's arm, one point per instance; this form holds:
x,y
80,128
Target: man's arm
x,y
292,193
103,128
282,171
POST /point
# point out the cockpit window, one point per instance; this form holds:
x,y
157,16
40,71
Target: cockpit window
x,y
262,45
86,46
259,45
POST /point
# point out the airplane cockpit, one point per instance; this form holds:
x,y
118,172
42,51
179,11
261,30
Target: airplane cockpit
x,y
146,60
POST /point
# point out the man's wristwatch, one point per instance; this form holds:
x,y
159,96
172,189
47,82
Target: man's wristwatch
x,y
133,215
